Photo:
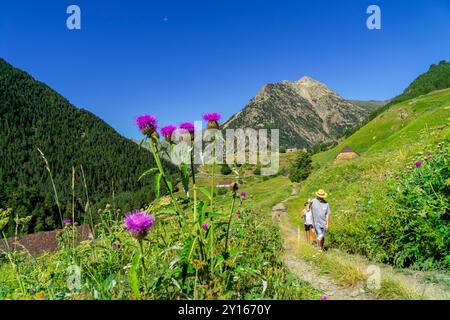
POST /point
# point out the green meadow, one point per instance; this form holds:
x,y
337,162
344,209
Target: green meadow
x,y
362,190
222,245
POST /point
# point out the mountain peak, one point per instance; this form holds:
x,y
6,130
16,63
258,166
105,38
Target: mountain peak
x,y
306,111
311,89
308,80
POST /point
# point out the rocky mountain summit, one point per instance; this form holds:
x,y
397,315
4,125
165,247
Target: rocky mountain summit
x,y
306,112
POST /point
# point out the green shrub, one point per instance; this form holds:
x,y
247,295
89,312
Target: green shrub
x,y
225,170
407,224
257,171
419,224
301,167
222,191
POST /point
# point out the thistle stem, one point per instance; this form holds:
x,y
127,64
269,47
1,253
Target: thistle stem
x,y
154,148
141,246
213,174
229,223
144,268
193,185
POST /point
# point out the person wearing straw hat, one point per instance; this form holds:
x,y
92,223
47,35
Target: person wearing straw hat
x,y
321,216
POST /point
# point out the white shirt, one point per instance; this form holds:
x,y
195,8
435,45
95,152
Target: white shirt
x,y
308,216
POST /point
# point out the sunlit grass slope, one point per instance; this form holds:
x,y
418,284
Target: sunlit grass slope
x,y
387,145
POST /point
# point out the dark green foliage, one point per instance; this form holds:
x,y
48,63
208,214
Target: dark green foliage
x,y
222,191
282,149
301,167
282,171
257,171
32,116
28,202
324,146
225,169
418,229
412,227
436,78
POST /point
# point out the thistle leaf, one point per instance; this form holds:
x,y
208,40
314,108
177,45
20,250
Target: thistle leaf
x,y
148,172
157,184
133,277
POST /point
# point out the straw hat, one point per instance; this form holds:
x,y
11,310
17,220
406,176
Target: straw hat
x,y
321,194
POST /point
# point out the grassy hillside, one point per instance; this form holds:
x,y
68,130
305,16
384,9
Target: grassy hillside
x,y
436,78
399,126
33,116
363,191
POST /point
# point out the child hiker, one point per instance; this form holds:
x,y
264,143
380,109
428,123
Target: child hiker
x,y
308,220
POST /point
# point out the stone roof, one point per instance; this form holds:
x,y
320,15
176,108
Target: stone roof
x,y
39,243
347,150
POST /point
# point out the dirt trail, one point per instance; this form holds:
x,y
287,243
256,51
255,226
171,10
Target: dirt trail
x,y
412,281
306,270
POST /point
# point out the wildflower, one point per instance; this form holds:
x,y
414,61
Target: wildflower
x,y
116,246
418,164
147,124
67,221
205,227
429,154
138,224
238,214
243,194
167,132
189,127
324,297
212,119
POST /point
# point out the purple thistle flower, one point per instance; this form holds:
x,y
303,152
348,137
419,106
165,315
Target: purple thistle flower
x,y
168,130
429,154
238,214
243,194
418,163
324,297
138,223
147,123
116,245
188,126
67,221
205,227
212,116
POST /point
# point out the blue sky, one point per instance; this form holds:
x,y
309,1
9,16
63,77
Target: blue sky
x,y
179,59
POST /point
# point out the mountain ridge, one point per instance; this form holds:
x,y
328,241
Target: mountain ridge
x,y
306,111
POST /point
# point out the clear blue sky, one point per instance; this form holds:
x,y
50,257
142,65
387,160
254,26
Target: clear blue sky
x,y
179,58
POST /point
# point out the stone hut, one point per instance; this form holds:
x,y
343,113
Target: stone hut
x,y
346,154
